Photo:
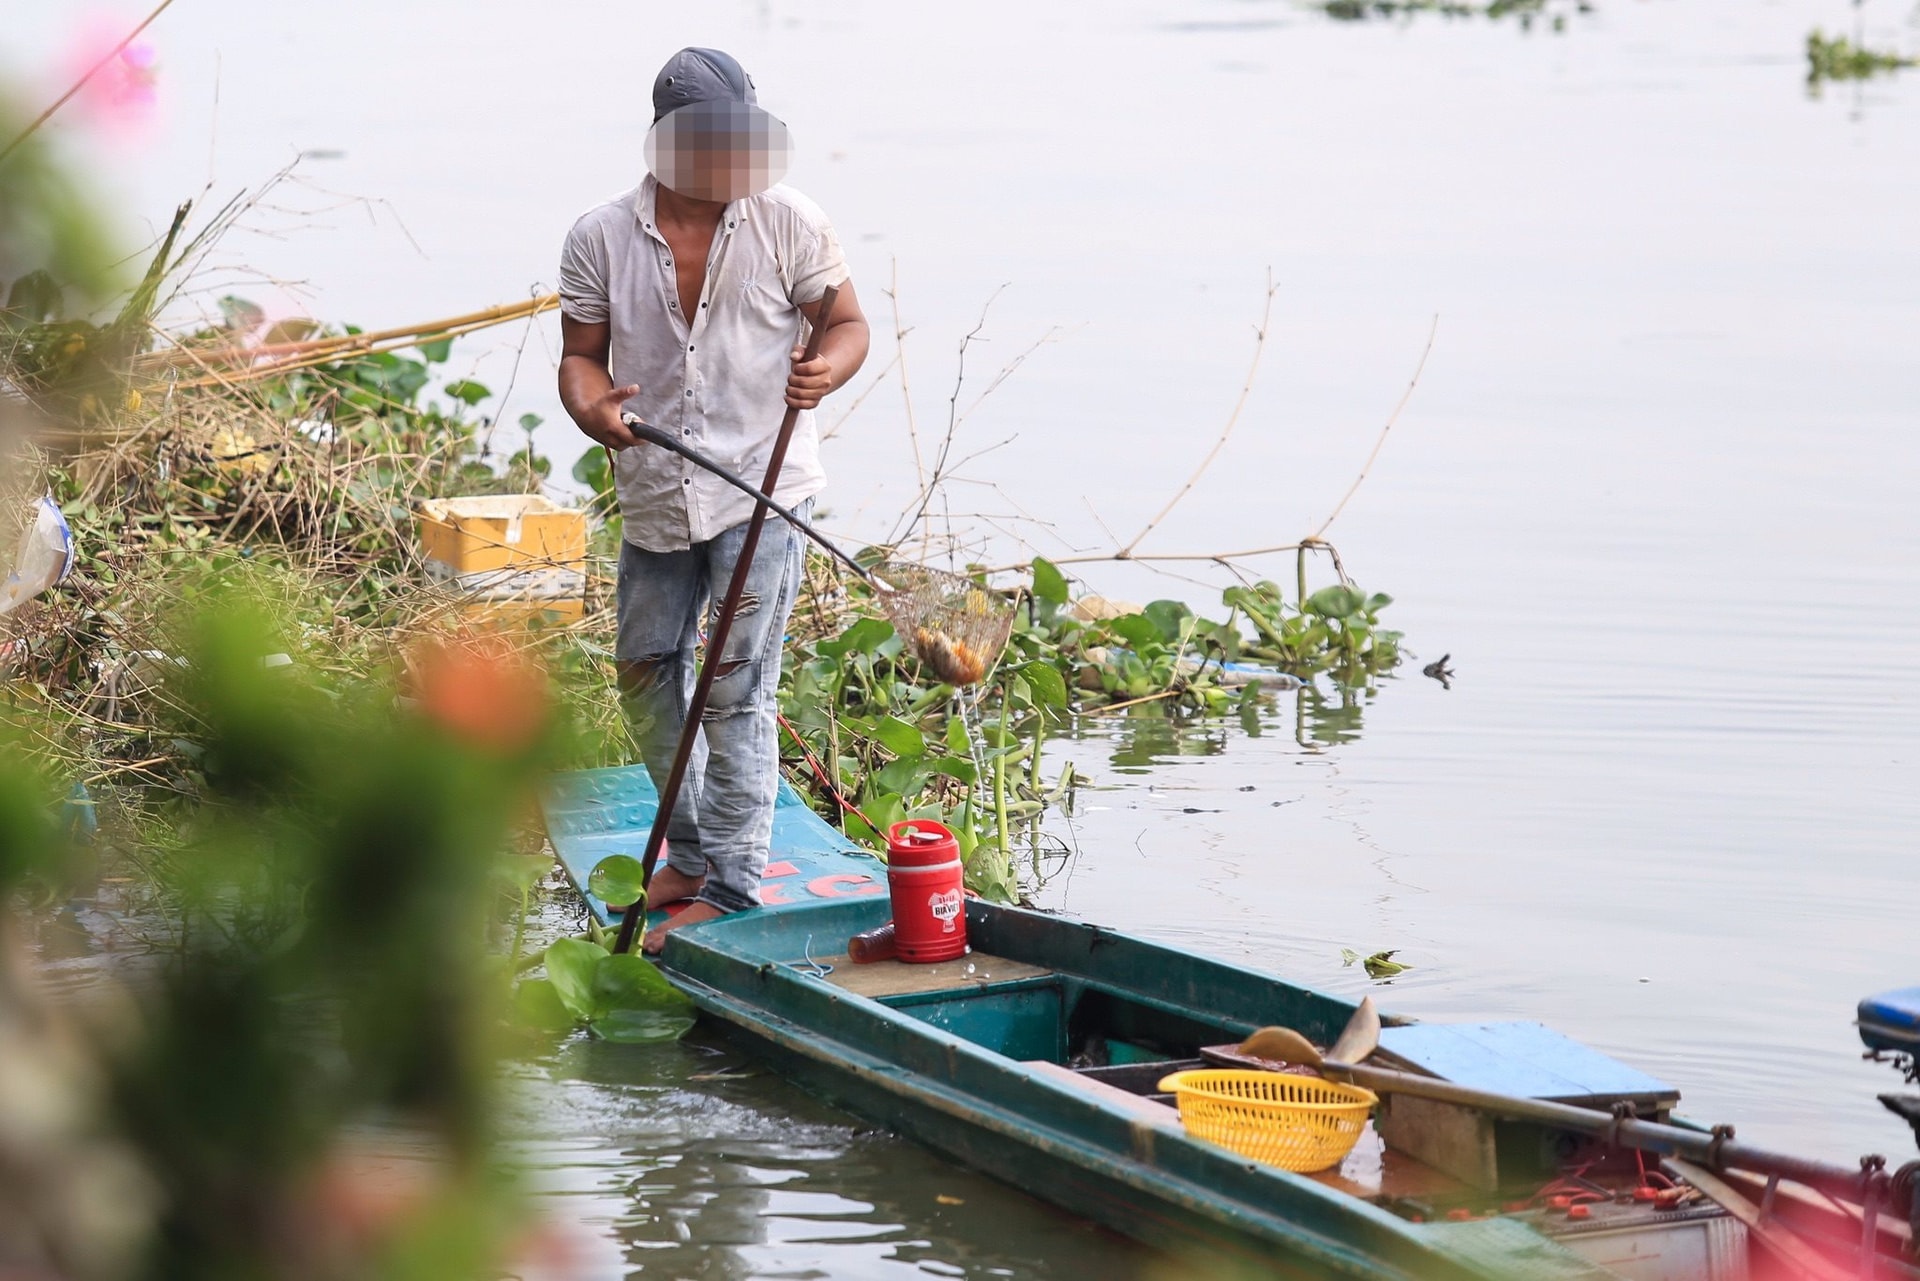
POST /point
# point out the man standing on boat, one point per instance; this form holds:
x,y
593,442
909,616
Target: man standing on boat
x,y
684,302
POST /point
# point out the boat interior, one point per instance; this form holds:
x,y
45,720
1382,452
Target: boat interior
x,y
1108,1017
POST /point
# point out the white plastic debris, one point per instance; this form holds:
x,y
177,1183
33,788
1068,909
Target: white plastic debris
x,y
45,557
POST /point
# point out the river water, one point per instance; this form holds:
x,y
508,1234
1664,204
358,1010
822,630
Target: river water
x,y
1653,491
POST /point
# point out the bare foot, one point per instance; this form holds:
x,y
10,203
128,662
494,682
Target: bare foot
x,y
692,914
671,885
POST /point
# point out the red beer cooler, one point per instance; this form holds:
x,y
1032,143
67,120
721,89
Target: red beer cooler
x,y
923,880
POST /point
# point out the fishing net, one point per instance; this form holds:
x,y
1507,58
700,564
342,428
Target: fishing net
x,y
954,626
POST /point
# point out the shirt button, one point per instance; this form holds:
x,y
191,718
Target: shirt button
x,y
688,481
689,391
689,346
673,306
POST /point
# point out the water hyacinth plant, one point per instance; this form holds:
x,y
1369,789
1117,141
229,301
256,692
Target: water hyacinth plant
x,y
882,739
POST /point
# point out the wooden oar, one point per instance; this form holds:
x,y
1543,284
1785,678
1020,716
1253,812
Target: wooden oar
x,y
1355,1044
1360,1037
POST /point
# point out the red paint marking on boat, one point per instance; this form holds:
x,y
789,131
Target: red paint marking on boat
x,y
831,886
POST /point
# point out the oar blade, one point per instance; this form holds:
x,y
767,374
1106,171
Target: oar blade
x,y
1361,1037
1281,1045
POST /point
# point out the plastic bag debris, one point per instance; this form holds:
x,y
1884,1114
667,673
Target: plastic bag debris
x,y
45,557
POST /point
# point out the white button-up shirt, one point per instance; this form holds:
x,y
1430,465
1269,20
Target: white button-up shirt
x,y
718,379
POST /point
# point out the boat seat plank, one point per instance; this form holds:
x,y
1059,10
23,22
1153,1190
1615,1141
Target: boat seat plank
x,y
1138,1105
898,978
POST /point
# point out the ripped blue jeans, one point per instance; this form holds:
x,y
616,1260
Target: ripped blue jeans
x,y
724,816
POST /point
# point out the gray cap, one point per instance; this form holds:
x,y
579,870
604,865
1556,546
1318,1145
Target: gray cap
x,y
700,75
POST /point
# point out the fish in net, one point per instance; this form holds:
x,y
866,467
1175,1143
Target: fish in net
x,y
954,626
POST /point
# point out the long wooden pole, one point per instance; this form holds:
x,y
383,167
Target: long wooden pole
x,y
1649,1136
716,647
1714,1150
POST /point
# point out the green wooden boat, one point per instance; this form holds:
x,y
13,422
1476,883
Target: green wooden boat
x,y
1037,1058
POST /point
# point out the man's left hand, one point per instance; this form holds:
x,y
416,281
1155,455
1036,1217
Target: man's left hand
x,y
809,380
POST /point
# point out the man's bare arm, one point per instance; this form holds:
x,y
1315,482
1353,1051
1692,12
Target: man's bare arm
x,y
586,387
843,349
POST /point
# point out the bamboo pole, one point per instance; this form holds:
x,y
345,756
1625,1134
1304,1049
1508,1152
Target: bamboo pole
x,y
291,356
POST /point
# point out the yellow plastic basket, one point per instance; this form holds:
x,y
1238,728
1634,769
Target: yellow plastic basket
x,y
1299,1123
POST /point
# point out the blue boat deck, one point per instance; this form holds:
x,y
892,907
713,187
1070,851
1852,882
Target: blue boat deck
x,y
592,814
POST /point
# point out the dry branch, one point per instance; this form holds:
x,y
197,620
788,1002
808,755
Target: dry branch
x,y
1381,439
1259,346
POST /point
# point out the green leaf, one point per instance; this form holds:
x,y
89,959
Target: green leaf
x,y
1377,602
899,737
1381,965
1170,618
1136,630
591,469
1252,600
1337,601
537,1005
437,350
1049,584
952,766
885,811
641,1027
617,880
467,391
906,775
571,964
530,421
630,982
957,741
864,637
1049,688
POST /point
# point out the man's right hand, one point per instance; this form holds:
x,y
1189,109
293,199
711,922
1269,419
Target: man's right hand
x,y
601,419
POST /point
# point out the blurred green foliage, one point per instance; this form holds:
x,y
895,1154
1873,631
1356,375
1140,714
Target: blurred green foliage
x,y
1841,59
54,248
1526,11
330,1005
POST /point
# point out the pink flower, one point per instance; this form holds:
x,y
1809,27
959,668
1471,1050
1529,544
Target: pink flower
x,y
118,94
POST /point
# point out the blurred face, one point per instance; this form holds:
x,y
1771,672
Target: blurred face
x,y
718,151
